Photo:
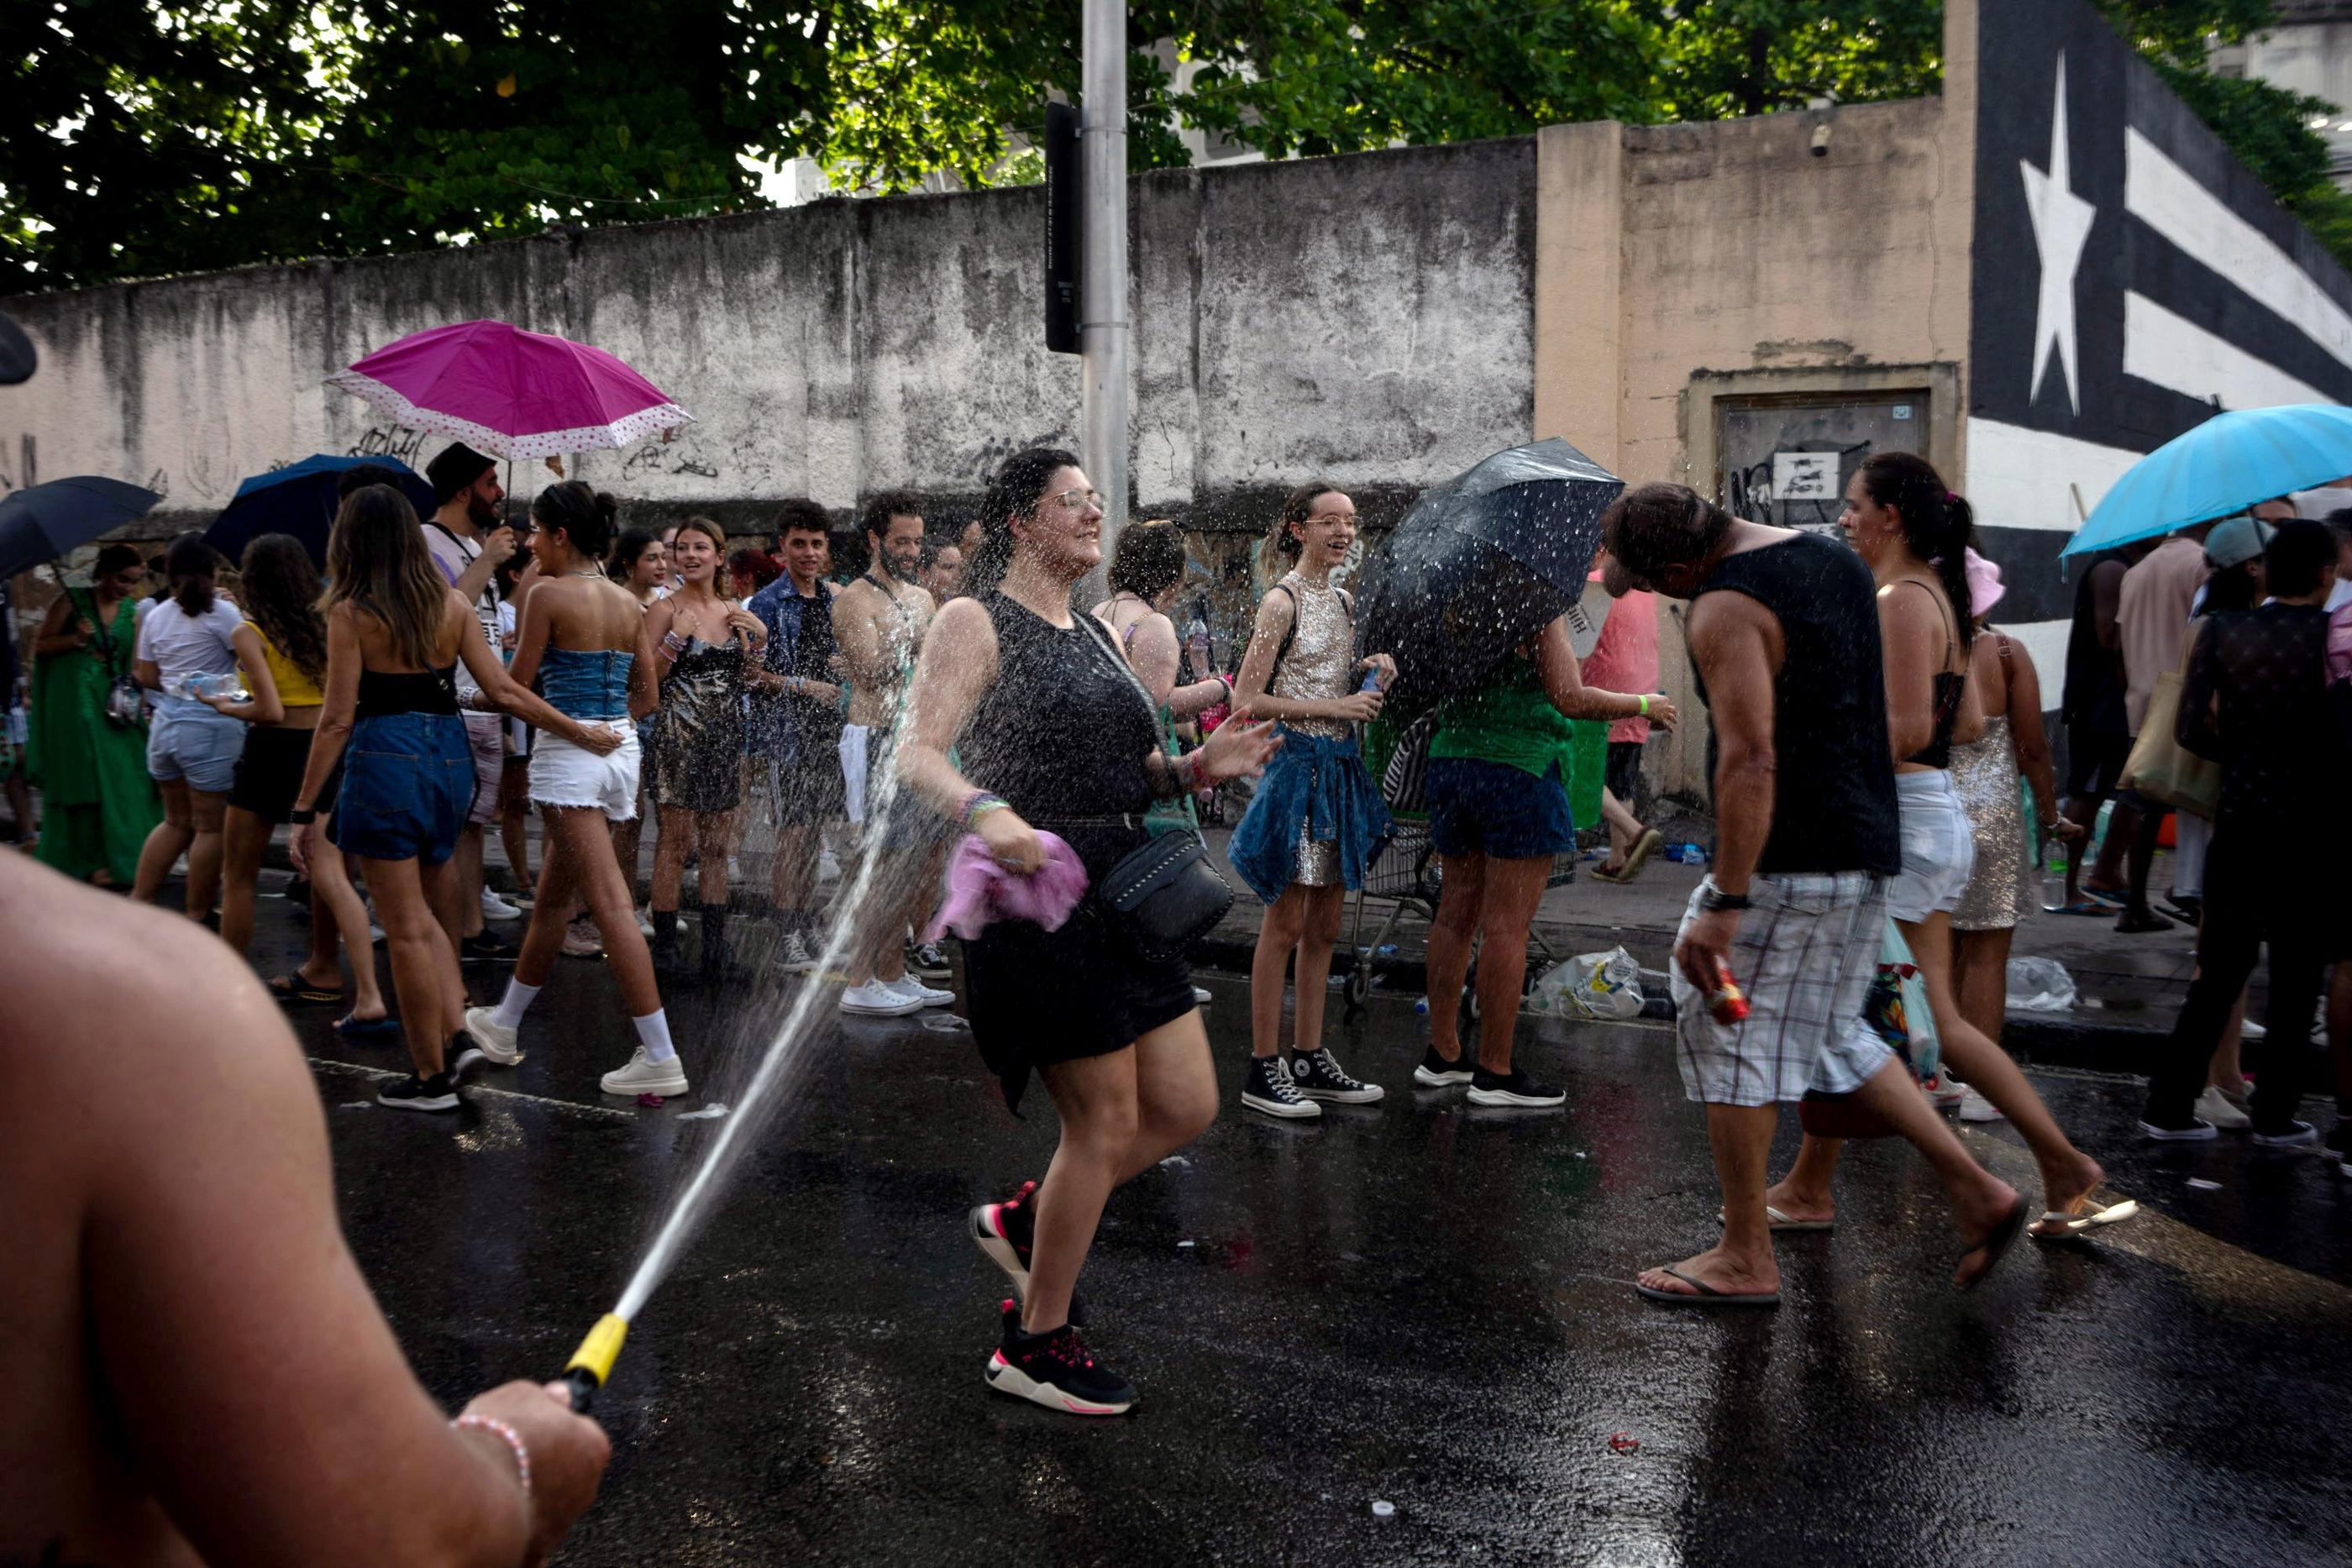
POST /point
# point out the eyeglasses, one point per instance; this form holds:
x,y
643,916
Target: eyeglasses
x,y
1077,500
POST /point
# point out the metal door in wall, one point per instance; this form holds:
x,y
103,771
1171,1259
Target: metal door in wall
x,y
1785,459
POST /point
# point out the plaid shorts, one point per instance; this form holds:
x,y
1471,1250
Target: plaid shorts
x,y
1807,950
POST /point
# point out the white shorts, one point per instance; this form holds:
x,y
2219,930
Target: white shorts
x,y
562,774
1939,847
1805,954
853,769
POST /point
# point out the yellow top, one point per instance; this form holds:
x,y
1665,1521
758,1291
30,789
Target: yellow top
x,y
295,689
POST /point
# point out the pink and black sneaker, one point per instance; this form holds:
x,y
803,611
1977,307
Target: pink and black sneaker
x,y
1056,1370
1005,1231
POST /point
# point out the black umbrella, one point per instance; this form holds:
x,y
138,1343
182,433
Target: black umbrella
x,y
45,521
1482,562
299,499
17,359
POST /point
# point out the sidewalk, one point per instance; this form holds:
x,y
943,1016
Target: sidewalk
x,y
2128,987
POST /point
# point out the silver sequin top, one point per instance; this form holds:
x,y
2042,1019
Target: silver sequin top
x,y
1320,663
1984,771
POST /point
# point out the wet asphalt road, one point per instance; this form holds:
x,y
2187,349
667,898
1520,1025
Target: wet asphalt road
x,y
1418,1301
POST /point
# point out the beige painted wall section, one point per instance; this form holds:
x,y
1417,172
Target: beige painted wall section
x,y
1679,264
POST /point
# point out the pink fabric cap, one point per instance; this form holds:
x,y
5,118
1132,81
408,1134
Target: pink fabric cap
x,y
1985,587
981,890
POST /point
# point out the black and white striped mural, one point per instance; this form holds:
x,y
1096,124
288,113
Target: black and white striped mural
x,y
2129,278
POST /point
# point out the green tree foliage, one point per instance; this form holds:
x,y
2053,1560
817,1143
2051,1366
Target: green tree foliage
x,y
151,137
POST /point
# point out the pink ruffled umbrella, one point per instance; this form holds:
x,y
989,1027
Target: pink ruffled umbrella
x,y
510,393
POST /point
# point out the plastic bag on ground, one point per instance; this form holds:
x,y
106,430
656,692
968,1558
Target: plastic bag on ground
x,y
2040,985
1590,985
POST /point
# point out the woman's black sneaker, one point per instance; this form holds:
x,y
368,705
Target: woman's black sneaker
x,y
486,946
1054,1369
1318,1075
438,1093
1268,1087
1006,1231
1512,1088
1436,1072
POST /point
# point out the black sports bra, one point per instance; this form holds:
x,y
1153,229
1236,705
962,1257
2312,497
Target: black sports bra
x,y
385,691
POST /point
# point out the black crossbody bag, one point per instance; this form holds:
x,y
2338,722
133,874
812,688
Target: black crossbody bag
x,y
1164,895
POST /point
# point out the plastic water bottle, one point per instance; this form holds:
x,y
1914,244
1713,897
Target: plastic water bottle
x,y
197,688
1196,647
1372,681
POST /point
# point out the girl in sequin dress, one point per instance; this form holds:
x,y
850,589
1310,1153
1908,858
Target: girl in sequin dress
x,y
1315,822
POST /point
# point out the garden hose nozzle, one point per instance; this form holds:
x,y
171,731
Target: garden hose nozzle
x,y
591,1364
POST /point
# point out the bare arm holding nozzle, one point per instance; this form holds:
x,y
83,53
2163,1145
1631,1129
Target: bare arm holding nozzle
x,y
197,1368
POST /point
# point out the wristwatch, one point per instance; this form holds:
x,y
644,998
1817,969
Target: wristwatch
x,y
1712,898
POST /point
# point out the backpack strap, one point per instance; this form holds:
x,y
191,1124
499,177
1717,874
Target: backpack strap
x,y
1289,636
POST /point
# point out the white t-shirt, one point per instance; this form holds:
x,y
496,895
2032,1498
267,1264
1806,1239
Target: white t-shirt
x,y
453,555
181,644
2339,596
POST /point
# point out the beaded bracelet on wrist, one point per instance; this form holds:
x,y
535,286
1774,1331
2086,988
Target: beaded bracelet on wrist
x,y
499,1430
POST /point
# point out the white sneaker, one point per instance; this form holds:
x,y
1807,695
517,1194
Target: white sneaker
x,y
793,955
498,1044
2250,1029
907,986
582,940
1201,997
644,1075
646,919
2214,1106
1944,1092
1975,1107
496,908
874,1000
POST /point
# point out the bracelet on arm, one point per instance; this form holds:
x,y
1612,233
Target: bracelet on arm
x,y
978,804
301,816
499,1430
1644,706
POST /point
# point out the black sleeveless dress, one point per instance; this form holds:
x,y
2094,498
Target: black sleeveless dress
x,y
1063,736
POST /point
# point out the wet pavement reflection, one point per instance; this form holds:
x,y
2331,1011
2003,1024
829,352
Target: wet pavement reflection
x,y
1418,1303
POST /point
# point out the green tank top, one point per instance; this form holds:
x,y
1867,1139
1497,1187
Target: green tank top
x,y
1509,721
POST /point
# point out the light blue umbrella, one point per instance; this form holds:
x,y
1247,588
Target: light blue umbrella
x,y
2224,465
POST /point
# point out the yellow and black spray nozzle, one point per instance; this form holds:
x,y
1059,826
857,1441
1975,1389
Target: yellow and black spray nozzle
x,y
591,1364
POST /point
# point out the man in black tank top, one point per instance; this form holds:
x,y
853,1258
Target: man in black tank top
x,y
1783,631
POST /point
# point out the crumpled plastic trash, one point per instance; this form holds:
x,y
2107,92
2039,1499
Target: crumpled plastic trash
x,y
1590,985
2040,985
710,1112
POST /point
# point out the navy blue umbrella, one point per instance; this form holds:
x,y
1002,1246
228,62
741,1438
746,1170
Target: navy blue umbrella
x,y
44,521
299,499
1482,562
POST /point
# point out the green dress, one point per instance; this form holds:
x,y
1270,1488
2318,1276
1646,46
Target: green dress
x,y
98,804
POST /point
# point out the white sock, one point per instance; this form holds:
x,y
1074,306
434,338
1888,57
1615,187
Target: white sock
x,y
653,1033
514,1004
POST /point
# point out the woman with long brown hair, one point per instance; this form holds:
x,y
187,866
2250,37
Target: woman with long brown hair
x,y
281,589
87,747
396,631
703,646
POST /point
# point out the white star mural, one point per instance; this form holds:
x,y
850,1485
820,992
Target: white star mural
x,y
2062,223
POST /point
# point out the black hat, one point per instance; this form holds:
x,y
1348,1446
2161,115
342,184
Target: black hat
x,y
457,467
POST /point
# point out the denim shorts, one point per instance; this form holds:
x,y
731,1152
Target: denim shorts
x,y
1939,846
408,782
1493,809
188,740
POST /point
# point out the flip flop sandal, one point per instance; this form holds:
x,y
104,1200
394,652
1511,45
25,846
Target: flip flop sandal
x,y
1648,844
352,1028
1702,1294
1599,874
1997,1242
1777,1222
2080,906
2112,900
292,990
2078,1223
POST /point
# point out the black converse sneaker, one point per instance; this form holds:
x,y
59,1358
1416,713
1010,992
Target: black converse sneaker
x,y
1512,1088
438,1093
1436,1072
1318,1075
925,962
1006,1231
1268,1088
1054,1369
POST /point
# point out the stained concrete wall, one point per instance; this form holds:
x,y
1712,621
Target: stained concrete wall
x,y
1682,264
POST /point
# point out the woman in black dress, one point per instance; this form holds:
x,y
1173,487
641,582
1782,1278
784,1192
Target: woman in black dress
x,y
1055,734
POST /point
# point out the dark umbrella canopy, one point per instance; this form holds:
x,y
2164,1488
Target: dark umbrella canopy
x,y
45,521
1482,562
299,499
17,359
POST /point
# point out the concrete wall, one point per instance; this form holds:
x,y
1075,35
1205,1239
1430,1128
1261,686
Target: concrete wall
x,y
1366,319
1681,264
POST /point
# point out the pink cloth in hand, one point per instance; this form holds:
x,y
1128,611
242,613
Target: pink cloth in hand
x,y
981,890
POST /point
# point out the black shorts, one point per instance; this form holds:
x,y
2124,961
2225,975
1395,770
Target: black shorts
x,y
1623,773
269,772
2094,761
912,824
1039,997
806,793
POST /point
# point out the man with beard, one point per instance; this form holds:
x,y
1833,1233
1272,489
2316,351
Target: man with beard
x,y
469,540
879,620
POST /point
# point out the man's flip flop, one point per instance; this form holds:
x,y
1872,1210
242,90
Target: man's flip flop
x,y
1997,1242
293,991
352,1028
1776,1221
2080,907
2075,1223
1702,1294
